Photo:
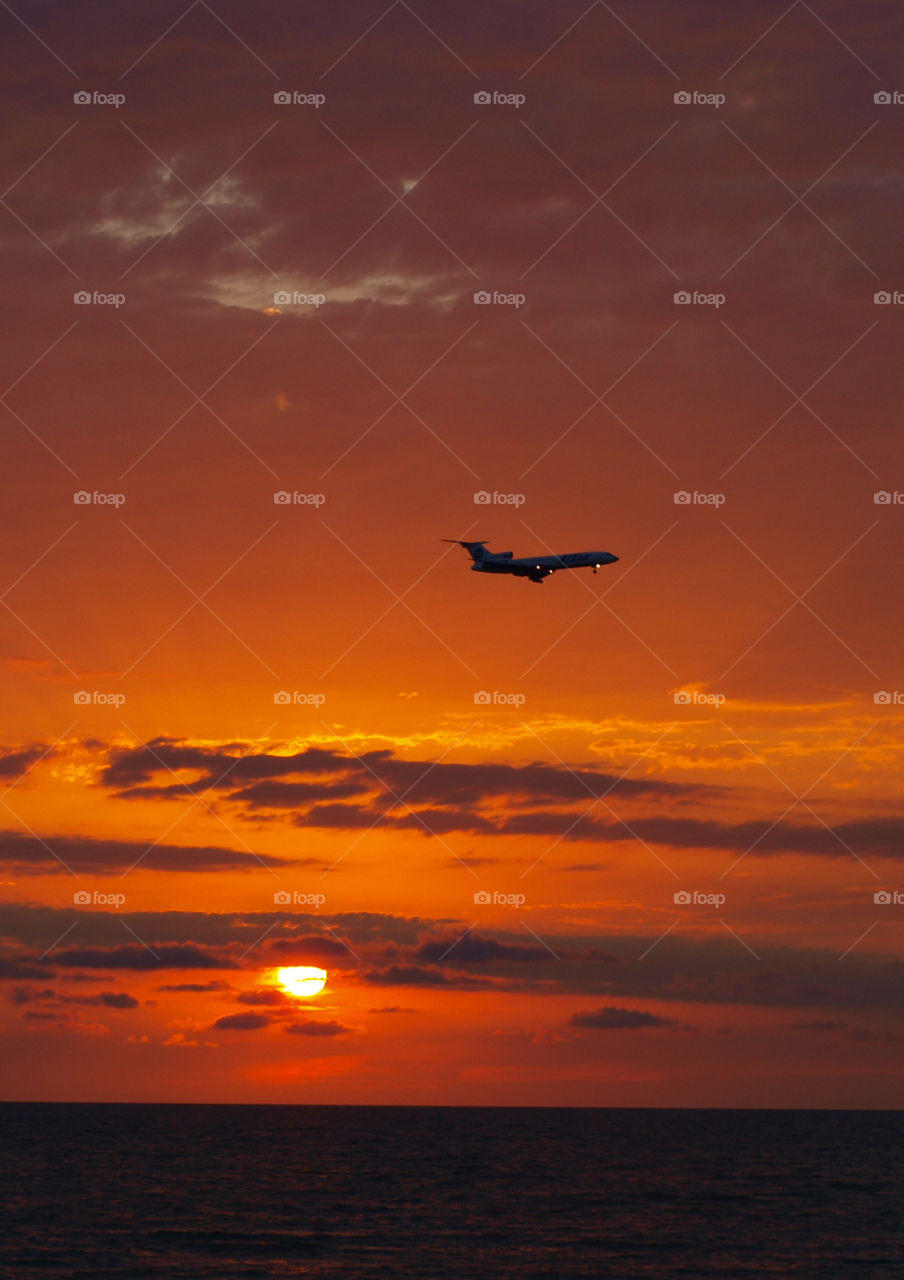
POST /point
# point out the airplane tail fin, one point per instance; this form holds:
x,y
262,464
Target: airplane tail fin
x,y
476,550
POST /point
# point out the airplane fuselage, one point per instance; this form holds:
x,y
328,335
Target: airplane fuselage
x,y
528,566
534,568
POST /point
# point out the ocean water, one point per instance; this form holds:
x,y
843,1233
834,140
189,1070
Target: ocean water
x,y
234,1192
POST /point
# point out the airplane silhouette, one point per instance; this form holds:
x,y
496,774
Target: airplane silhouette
x,y
535,568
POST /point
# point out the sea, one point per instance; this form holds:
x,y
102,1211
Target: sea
x,y
234,1192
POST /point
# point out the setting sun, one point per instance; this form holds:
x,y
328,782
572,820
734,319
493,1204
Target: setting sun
x,y
303,981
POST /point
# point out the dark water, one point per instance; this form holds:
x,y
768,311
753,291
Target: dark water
x,y
234,1192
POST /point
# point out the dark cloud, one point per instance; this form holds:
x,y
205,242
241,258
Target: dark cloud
x,y
536,799
15,967
215,985
135,956
27,995
413,975
477,950
111,999
311,1027
311,946
264,996
241,1022
400,951
613,1018
28,854
396,975
15,763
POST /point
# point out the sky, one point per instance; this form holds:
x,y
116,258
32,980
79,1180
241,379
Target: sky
x,y
293,293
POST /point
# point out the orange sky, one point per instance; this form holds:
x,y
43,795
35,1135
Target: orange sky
x,y
495,790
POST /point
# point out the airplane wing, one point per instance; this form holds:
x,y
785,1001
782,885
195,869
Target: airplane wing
x,y
535,573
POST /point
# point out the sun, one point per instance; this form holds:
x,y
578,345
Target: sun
x,y
303,981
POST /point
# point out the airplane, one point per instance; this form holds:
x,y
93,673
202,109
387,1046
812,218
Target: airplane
x,y
535,568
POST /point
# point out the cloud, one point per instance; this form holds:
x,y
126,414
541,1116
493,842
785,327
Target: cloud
x,y
312,1027
12,967
475,950
242,1022
134,956
613,1018
321,788
396,975
412,975
216,985
33,855
27,995
263,996
112,1000
311,946
15,763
